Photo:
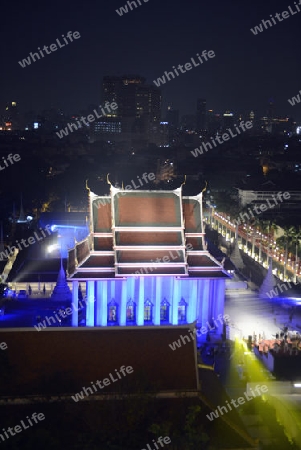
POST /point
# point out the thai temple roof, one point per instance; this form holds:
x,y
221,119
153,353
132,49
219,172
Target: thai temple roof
x,y
144,232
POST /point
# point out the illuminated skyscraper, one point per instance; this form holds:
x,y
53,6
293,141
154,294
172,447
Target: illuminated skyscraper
x,y
172,117
111,87
228,119
136,101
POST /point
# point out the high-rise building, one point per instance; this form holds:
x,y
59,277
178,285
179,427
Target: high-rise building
x,y
172,117
111,86
148,101
201,122
214,122
129,104
228,119
139,104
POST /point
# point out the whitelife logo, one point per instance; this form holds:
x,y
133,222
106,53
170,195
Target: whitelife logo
x,y
284,14
239,400
124,9
188,66
145,177
11,159
62,313
279,288
53,48
225,137
3,346
263,207
203,330
31,240
36,417
161,440
164,259
90,119
292,101
106,381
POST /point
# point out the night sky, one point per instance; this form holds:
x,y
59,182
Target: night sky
x,y
246,72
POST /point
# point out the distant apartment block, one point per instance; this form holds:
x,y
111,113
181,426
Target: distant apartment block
x,y
249,196
139,104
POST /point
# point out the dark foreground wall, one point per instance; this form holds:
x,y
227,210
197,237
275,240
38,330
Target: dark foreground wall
x,y
66,360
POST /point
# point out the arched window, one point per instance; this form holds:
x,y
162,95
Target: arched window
x,y
131,311
182,309
148,311
112,311
164,311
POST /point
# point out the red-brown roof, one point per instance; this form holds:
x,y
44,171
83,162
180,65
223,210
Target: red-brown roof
x,y
194,242
101,260
142,219
148,208
145,255
102,221
165,270
201,260
192,215
103,243
148,238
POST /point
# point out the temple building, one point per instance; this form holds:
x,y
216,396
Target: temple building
x,y
145,261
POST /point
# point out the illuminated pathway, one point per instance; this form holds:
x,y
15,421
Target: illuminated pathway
x,y
252,239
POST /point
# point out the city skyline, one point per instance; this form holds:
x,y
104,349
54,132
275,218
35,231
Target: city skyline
x,y
245,73
150,210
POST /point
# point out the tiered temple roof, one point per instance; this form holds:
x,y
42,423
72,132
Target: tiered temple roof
x,y
135,232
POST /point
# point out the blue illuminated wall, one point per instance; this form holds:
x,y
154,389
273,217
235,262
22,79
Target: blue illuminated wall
x,y
107,300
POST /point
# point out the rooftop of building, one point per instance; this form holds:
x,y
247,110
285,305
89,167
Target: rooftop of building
x,y
157,231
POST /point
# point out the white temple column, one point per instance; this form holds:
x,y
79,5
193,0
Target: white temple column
x,y
199,301
219,298
140,306
130,288
98,304
176,297
75,303
113,289
90,304
205,301
123,301
192,313
157,302
103,311
211,300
